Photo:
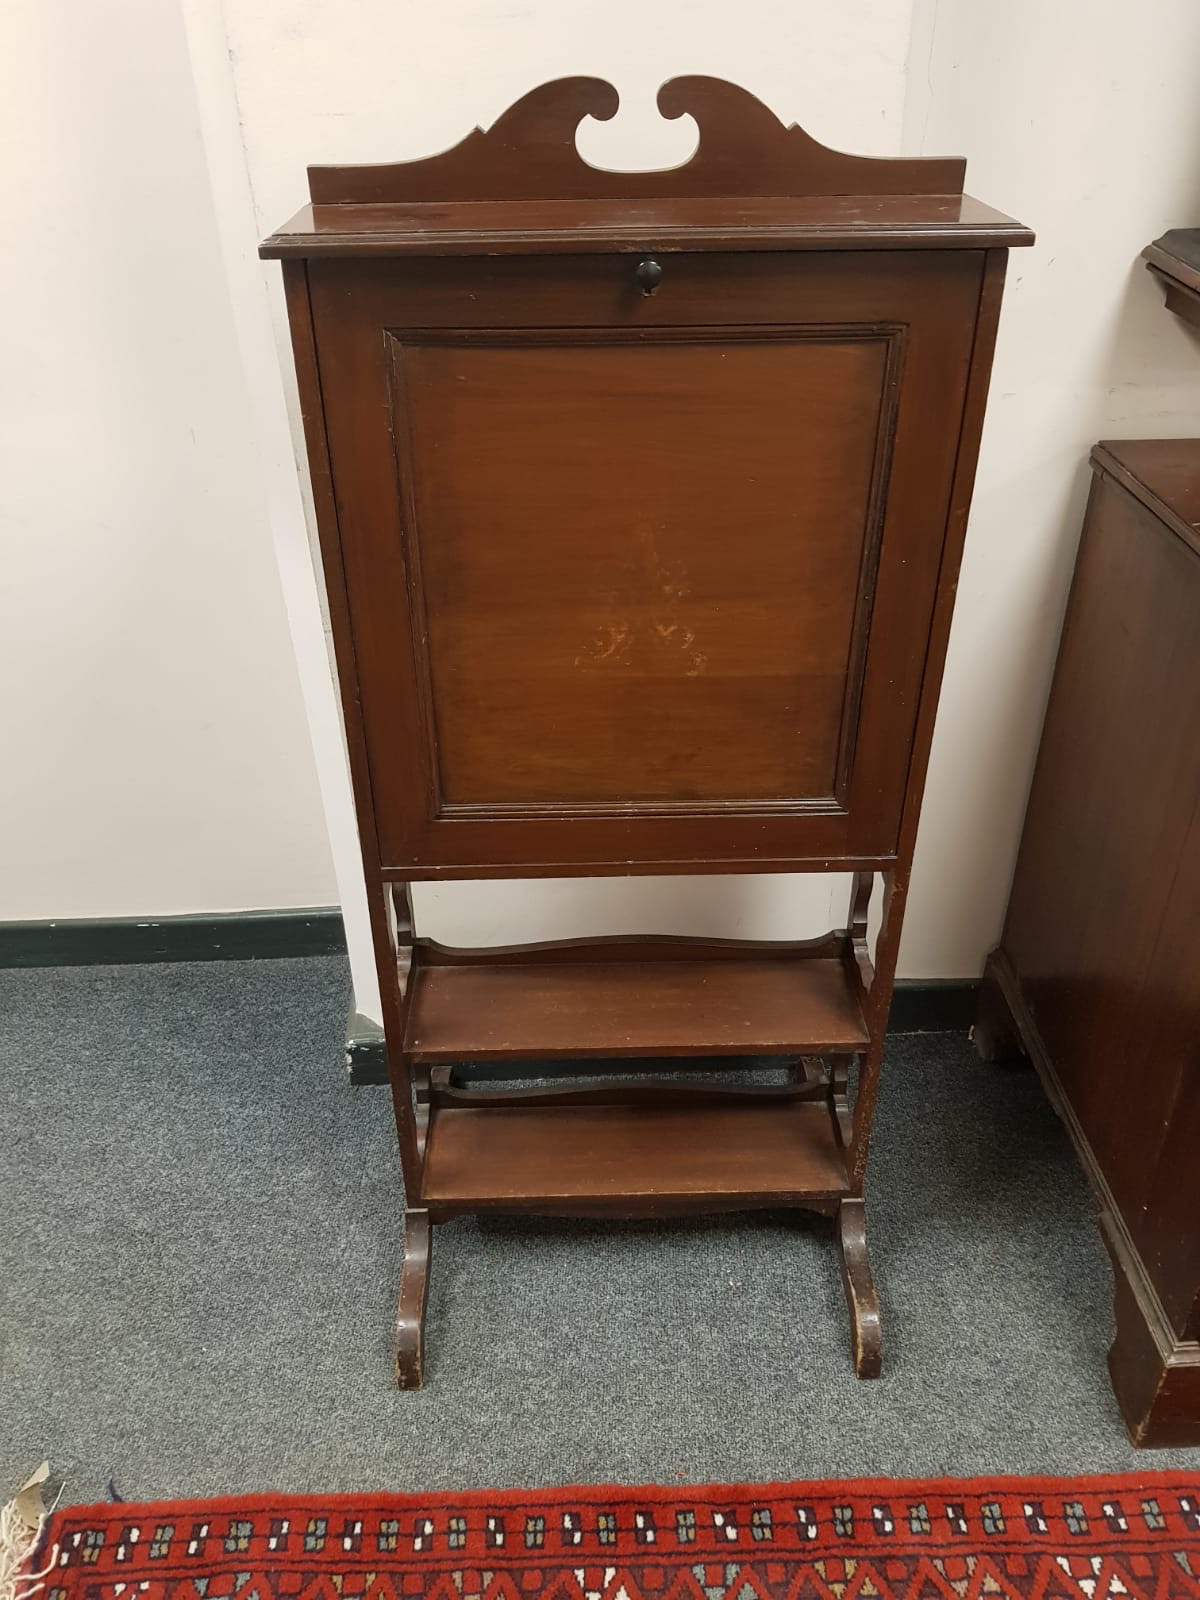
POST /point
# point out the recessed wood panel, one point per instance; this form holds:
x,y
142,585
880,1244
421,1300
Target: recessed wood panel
x,y
637,570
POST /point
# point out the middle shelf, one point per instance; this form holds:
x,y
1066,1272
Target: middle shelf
x,y
517,1006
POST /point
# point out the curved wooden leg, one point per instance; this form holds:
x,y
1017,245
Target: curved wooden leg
x,y
839,1089
861,1300
421,1105
807,1069
414,1289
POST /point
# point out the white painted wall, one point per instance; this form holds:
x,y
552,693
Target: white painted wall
x,y
396,79
165,762
155,752
1088,130
389,81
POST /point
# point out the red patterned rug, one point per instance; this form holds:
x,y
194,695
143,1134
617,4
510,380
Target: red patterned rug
x,y
942,1539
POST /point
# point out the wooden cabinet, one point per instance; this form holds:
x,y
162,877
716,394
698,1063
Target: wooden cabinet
x,y
1174,261
641,500
1098,971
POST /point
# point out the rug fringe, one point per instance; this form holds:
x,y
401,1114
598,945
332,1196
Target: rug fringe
x,y
21,1523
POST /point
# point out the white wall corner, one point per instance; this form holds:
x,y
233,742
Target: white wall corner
x,y
235,215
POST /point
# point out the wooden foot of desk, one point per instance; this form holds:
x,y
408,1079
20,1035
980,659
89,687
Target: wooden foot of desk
x,y
861,1300
414,1290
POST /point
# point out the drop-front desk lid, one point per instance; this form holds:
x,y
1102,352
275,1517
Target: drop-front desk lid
x,y
752,184
530,227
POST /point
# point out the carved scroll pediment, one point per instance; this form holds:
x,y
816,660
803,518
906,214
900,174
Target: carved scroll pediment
x,y
530,153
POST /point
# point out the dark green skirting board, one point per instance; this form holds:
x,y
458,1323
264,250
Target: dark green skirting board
x,y
206,936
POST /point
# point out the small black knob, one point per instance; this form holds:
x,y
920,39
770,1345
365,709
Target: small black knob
x,y
649,274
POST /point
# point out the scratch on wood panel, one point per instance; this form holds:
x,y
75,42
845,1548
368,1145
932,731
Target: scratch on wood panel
x,y
615,643
669,578
609,644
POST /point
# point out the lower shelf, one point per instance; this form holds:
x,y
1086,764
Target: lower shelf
x,y
594,1008
631,1159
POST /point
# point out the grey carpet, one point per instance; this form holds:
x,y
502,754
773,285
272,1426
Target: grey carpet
x,y
199,1255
